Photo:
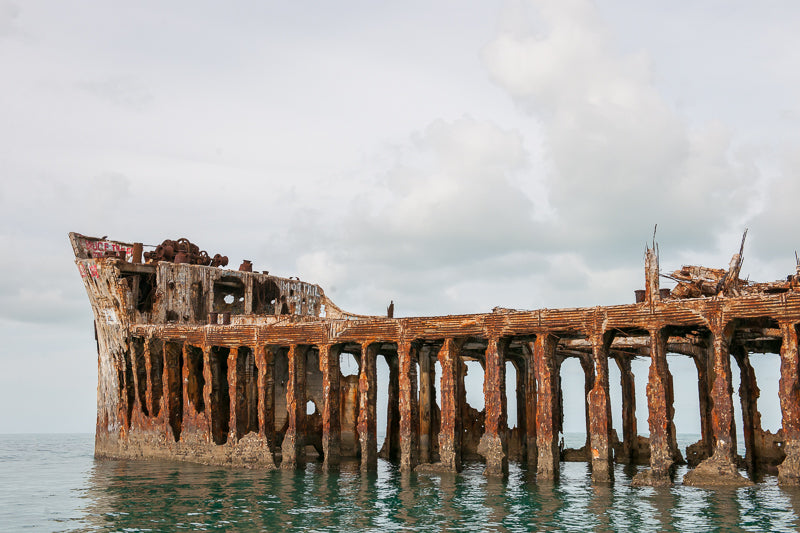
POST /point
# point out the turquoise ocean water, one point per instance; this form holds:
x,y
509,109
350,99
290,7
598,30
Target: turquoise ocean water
x,y
53,483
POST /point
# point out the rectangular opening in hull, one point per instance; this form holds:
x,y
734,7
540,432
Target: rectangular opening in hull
x,y
220,397
173,353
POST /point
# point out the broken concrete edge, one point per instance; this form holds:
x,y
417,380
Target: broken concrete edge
x,y
651,478
716,471
437,468
494,451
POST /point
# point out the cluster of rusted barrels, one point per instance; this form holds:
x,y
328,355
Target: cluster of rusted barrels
x,y
183,251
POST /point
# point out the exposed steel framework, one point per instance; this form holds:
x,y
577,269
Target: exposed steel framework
x,y
202,364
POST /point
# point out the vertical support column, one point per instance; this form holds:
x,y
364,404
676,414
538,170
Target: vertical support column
x,y
391,445
427,397
547,405
450,431
189,411
367,399
165,371
720,468
493,444
409,411
601,450
207,388
265,365
531,395
148,365
789,392
138,369
723,423
331,424
748,394
233,393
293,442
261,364
659,405
629,426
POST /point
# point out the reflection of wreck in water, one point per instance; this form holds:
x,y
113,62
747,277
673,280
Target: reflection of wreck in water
x,y
199,363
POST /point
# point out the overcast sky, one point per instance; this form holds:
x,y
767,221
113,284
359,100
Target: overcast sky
x,y
452,156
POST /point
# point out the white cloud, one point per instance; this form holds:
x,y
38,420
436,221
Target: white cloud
x,y
622,158
450,196
447,204
322,268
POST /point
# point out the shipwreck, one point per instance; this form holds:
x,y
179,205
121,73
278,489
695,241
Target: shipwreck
x,y
197,362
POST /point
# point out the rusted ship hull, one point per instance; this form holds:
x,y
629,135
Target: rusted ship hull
x,y
204,364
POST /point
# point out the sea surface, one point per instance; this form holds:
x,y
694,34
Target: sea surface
x,y
53,483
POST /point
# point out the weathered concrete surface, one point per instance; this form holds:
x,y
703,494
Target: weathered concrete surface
x,y
600,409
547,407
789,470
493,444
450,430
427,406
659,402
294,439
233,391
720,468
329,358
367,421
265,361
409,410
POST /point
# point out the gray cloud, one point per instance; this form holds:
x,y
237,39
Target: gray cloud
x,y
40,287
109,188
446,210
121,91
622,158
9,13
778,216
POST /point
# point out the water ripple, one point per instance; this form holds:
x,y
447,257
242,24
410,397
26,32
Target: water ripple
x,y
52,483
